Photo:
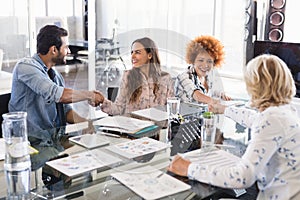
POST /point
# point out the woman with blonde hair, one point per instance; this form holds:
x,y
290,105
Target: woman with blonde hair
x,y
272,157
203,54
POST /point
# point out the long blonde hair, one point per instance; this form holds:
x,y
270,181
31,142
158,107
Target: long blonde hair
x,y
269,82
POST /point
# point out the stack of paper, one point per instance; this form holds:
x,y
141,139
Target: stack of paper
x,y
123,124
150,183
138,147
83,162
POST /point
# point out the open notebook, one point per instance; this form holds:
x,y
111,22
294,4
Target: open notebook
x,y
122,124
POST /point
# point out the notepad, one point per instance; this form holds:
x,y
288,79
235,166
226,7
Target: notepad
x,y
150,183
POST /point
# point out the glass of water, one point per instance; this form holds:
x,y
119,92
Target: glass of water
x,y
17,164
173,108
208,130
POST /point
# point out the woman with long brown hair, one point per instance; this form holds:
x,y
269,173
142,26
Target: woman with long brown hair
x,y
143,86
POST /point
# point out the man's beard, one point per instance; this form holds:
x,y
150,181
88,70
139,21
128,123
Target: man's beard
x,y
59,60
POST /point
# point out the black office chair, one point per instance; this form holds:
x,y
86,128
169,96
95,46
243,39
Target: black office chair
x,y
112,93
4,99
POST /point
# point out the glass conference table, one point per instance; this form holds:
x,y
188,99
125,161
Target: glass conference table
x,y
48,183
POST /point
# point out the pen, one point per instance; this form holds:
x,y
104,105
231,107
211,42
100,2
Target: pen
x,y
224,145
160,175
109,134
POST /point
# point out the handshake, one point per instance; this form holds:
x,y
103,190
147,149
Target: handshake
x,y
96,98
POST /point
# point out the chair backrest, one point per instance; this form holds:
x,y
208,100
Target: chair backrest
x,y
112,93
4,99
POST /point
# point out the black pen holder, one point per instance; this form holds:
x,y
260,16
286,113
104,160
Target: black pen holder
x,y
185,136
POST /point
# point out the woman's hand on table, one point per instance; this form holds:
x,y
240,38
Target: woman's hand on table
x,y
179,166
225,97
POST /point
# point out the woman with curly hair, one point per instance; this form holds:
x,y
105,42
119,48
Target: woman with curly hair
x,y
143,86
272,157
203,54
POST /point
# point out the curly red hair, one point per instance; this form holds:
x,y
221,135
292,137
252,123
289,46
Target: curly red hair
x,y
205,43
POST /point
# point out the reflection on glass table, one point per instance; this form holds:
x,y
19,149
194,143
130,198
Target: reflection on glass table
x,y
91,167
94,180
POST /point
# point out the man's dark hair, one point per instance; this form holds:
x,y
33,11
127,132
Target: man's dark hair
x,y
48,36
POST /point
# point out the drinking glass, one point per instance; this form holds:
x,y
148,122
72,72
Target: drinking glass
x,y
208,130
173,107
17,165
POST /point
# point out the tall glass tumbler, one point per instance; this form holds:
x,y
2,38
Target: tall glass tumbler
x,y
173,108
17,165
208,130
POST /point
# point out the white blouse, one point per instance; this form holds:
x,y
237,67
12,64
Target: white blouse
x,y
272,157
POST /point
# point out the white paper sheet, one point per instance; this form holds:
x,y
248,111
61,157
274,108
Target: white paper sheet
x,y
212,158
152,114
138,147
76,127
89,140
83,162
150,183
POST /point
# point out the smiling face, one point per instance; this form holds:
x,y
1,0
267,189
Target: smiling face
x,y
61,54
139,56
203,64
